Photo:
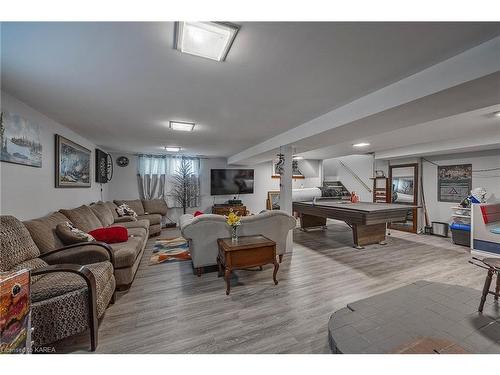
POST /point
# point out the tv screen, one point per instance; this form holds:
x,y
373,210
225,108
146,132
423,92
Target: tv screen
x,y
231,181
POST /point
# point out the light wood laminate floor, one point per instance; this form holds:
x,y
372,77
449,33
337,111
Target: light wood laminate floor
x,y
170,310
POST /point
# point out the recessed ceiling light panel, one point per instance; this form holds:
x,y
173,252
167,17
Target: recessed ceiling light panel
x,y
361,144
211,40
497,114
182,126
298,157
172,148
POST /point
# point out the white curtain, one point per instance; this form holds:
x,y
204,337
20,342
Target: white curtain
x,y
151,176
154,176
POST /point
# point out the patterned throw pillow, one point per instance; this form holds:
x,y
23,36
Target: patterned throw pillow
x,y
70,235
125,210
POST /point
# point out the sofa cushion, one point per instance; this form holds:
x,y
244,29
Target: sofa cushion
x,y
134,224
124,219
82,218
103,213
70,235
155,206
110,235
137,232
153,218
154,229
59,283
134,204
43,231
125,253
112,207
17,246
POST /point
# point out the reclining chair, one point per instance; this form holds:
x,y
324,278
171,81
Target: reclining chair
x,y
67,298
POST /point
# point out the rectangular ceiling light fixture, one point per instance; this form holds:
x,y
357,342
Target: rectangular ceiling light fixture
x,y
172,148
211,40
361,144
182,126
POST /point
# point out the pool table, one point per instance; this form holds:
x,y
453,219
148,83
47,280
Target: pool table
x,y
367,220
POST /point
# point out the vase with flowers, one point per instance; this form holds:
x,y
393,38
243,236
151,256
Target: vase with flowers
x,y
234,221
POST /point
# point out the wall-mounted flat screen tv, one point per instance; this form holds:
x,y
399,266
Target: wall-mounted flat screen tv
x,y
231,181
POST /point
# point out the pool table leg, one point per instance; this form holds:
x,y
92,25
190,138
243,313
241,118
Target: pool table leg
x,y
368,234
310,221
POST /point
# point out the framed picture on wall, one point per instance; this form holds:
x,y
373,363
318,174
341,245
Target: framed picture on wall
x,y
273,200
20,140
454,182
73,168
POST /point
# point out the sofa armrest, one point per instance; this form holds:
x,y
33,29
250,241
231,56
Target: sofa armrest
x,y
125,219
185,220
80,253
89,278
80,270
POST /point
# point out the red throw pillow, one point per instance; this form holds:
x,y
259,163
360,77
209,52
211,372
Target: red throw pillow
x,y
110,234
198,213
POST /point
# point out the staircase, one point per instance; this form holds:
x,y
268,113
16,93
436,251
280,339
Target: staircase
x,y
337,190
354,174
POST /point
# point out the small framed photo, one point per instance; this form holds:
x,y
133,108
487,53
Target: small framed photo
x,y
273,200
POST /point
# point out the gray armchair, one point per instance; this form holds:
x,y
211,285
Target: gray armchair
x,y
70,287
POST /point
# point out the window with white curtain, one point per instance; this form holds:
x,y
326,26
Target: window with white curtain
x,y
155,172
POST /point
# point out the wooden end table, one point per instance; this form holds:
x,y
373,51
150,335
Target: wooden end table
x,y
245,252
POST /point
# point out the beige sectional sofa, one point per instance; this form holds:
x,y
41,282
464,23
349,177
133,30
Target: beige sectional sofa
x,y
151,210
126,255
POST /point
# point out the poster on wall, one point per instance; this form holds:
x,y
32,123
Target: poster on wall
x,y
20,140
454,182
72,164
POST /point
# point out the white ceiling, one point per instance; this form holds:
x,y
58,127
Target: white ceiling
x,y
119,84
457,110
472,125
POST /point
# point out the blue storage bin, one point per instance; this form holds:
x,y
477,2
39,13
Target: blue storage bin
x,y
460,226
460,234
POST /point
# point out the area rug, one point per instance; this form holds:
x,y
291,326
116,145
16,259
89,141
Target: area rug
x,y
173,249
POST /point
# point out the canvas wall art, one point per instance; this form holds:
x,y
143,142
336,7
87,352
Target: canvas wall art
x,y
72,164
454,182
20,140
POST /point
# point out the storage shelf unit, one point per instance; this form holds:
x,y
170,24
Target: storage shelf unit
x,y
381,190
460,225
460,214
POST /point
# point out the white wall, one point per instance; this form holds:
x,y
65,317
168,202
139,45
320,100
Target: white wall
x,y
441,211
362,165
29,192
124,183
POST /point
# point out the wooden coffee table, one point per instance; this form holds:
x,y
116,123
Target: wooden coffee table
x,y
245,252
